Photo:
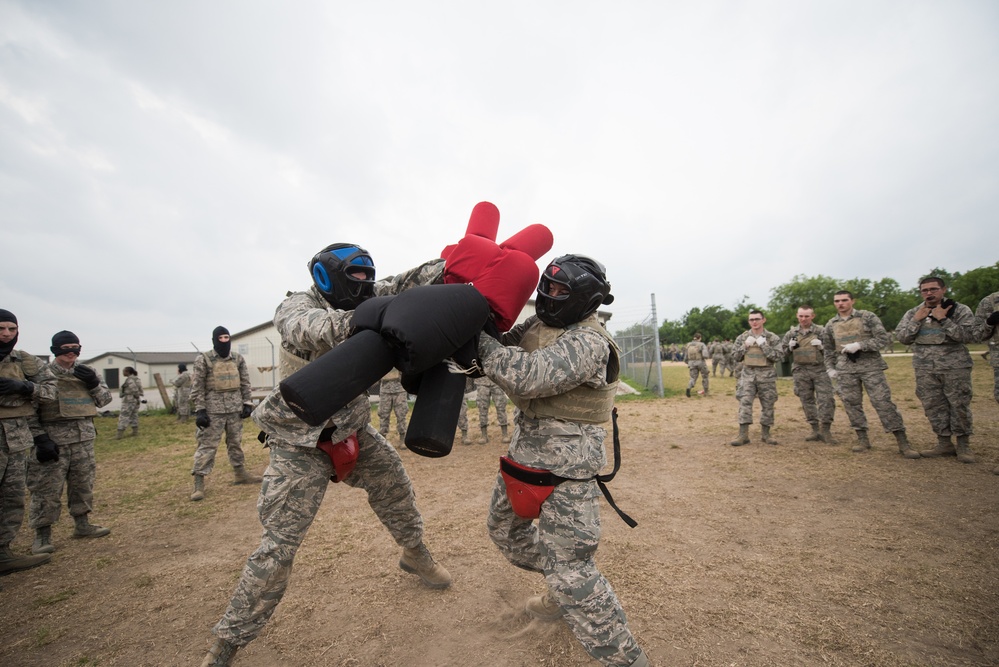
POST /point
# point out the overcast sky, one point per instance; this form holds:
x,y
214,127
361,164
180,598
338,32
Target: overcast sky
x,y
166,167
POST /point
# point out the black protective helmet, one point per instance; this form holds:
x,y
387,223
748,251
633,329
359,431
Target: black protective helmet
x,y
588,290
329,269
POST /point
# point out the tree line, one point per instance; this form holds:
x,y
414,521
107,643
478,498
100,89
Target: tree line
x,y
884,297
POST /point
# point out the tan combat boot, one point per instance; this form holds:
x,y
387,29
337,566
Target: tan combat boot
x,y
505,437
944,447
816,436
465,440
863,444
135,431
86,529
240,476
543,607
904,448
826,434
964,454
199,488
765,434
418,561
743,437
220,654
121,434
10,563
484,438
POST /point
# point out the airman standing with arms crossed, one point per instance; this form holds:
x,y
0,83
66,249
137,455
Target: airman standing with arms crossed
x,y
851,345
938,329
757,350
811,382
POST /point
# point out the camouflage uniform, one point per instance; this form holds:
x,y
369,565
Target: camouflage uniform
x,y
76,468
563,542
758,377
942,366
696,352
131,394
224,409
487,391
717,352
989,333
298,476
811,382
728,347
18,427
392,398
182,394
866,373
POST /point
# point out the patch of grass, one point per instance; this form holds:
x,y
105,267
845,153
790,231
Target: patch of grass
x,y
43,636
54,599
145,581
103,562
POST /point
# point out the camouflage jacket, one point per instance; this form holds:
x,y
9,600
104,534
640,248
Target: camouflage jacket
x,y
81,429
875,338
131,388
986,332
772,350
938,345
219,402
580,356
19,432
309,328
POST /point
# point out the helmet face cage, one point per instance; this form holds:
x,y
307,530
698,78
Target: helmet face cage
x,y
331,269
588,288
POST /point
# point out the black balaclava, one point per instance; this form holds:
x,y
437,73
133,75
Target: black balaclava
x,y
181,368
7,348
63,338
222,349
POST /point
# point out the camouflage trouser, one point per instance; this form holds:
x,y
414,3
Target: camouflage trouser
x,y
182,400
463,416
946,399
129,415
389,403
208,442
757,382
562,544
995,383
482,397
292,491
813,386
715,363
76,469
11,494
698,367
876,385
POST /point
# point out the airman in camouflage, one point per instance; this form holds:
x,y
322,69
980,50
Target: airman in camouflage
x,y
131,395
717,352
23,379
987,330
560,370
938,329
182,393
220,389
392,398
463,413
68,420
695,353
311,323
757,350
851,347
486,391
812,385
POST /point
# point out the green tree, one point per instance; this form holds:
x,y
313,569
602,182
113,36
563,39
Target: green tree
x,y
971,287
817,291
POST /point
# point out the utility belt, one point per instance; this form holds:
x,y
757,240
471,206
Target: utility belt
x,y
528,488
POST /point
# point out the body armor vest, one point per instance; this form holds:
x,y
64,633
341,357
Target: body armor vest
x,y
74,401
755,358
585,404
17,406
849,331
290,363
694,352
931,332
806,353
224,374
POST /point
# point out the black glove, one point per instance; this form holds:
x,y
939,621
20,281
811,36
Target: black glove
x,y
949,305
87,375
853,356
9,387
201,419
142,401
45,449
993,319
246,411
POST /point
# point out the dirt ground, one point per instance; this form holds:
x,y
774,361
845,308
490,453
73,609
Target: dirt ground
x,y
799,554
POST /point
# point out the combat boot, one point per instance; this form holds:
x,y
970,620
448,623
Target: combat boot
x,y
743,438
418,561
199,488
43,541
826,434
484,438
964,454
543,608
766,435
465,440
904,448
815,436
240,476
220,654
641,661
121,434
688,392
86,529
944,447
135,431
504,437
10,563
863,444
